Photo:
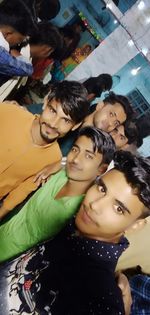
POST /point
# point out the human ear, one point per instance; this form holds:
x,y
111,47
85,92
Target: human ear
x,y
138,225
76,126
99,105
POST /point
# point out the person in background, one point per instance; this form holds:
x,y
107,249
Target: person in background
x,y
125,135
33,142
96,85
15,25
43,10
49,209
41,45
106,115
74,273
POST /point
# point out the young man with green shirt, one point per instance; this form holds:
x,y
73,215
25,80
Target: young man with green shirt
x,y
51,206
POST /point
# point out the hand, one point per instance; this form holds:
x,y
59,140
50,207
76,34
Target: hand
x,y
124,286
15,53
46,172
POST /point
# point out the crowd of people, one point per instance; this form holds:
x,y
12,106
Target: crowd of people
x,y
73,187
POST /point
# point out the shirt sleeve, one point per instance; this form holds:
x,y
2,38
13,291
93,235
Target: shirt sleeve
x,y
12,66
19,194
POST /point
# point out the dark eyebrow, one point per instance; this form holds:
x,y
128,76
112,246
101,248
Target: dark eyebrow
x,y
88,151
100,182
123,206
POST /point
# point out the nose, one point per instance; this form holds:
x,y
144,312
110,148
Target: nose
x,y
77,158
55,122
98,204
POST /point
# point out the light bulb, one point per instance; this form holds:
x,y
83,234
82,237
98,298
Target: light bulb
x,y
141,5
135,71
130,43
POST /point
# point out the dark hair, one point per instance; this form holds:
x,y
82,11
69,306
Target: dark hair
x,y
48,9
112,98
131,132
47,34
68,48
97,85
16,14
102,142
136,170
72,96
143,126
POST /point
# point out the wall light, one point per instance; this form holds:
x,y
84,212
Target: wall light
x,y
109,6
130,43
115,21
135,71
141,5
145,51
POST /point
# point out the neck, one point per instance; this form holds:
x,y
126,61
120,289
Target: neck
x,y
88,121
74,188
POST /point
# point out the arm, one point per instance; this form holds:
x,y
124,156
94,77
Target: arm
x,y
46,172
13,66
124,286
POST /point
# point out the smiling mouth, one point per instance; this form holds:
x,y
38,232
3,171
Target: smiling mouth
x,y
50,130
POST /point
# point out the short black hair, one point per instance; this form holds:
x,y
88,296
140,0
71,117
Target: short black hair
x,y
131,132
47,34
47,9
112,98
102,142
96,85
16,14
136,170
143,126
73,97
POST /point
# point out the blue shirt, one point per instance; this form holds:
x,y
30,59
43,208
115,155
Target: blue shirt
x,y
11,66
140,289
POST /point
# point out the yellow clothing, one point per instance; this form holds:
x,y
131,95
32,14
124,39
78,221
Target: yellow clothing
x,y
20,158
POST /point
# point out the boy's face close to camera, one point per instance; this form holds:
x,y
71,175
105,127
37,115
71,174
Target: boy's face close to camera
x,y
109,208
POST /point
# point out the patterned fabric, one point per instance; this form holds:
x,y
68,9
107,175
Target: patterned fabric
x,y
69,275
140,288
11,66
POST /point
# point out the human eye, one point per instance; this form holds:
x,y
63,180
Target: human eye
x,y
89,156
67,121
122,137
51,109
74,149
119,210
101,188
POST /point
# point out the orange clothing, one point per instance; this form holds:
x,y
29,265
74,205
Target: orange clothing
x,y
20,158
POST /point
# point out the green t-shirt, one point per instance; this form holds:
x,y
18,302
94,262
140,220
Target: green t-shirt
x,y
41,218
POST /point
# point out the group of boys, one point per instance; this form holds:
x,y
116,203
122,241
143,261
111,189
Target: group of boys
x,y
73,272
80,262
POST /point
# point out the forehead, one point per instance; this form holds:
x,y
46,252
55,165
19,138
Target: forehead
x,y
118,188
84,143
58,107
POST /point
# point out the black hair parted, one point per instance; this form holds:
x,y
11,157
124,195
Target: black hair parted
x,y
102,142
113,98
136,170
73,98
